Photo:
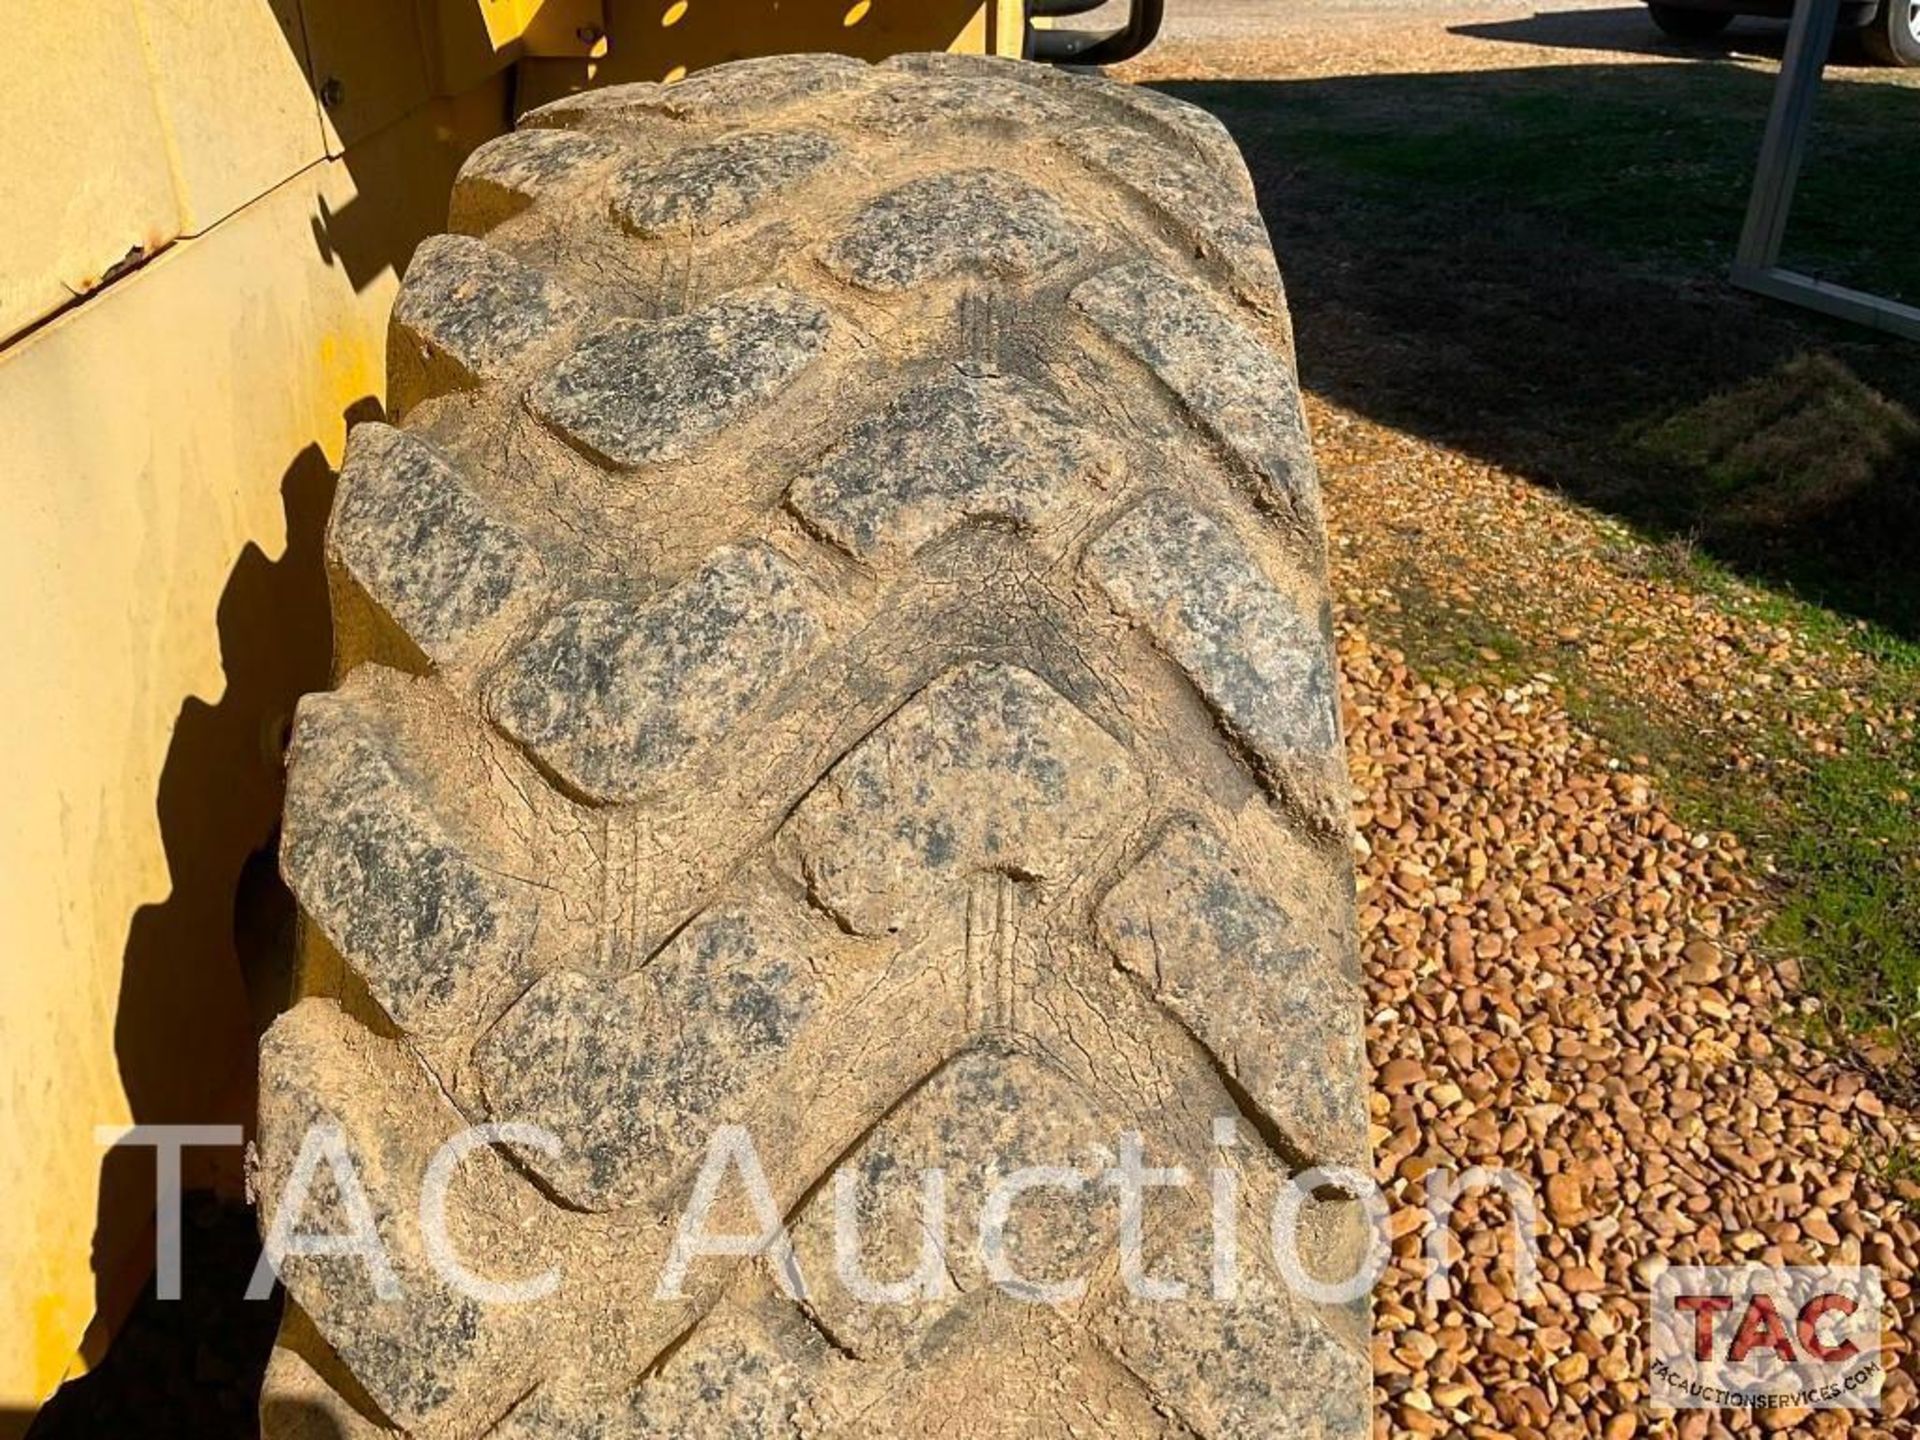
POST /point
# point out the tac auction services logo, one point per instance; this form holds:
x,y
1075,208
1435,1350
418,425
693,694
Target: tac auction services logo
x,y
1753,1337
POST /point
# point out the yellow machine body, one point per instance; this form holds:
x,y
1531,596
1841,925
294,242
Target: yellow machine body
x,y
207,204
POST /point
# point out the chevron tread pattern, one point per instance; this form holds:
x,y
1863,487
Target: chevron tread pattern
x,y
847,657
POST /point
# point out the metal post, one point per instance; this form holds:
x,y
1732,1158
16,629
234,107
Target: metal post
x,y
1791,118
1756,264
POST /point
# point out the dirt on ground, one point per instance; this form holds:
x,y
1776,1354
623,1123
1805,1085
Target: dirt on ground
x,y
1241,38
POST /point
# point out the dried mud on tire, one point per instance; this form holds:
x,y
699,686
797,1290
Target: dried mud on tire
x,y
833,642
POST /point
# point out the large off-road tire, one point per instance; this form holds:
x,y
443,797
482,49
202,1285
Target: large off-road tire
x,y
833,642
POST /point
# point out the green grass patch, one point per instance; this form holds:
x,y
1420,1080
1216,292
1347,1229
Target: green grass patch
x,y
1901,1164
1852,910
1531,264
1789,445
1653,162
1450,641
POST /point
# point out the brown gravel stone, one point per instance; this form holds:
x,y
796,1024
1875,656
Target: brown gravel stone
x,y
1562,982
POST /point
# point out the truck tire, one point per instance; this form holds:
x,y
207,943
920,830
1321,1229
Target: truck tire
x,y
1683,22
1893,35
834,681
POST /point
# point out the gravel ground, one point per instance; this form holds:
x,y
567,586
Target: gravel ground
x,y
1561,983
1712,663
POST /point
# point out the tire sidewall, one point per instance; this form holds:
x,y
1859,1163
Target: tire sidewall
x,y
1891,36
1899,22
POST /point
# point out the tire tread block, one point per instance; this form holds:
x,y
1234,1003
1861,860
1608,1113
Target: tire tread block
x,y
712,185
977,221
1266,669
1232,382
428,1354
471,304
991,1112
1247,980
753,1368
987,769
508,173
640,392
613,695
429,921
632,1076
421,542
948,451
1262,1364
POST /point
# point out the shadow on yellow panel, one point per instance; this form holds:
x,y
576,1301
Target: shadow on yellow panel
x,y
665,39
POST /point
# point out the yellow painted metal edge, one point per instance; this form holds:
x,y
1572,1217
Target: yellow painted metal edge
x,y
170,452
